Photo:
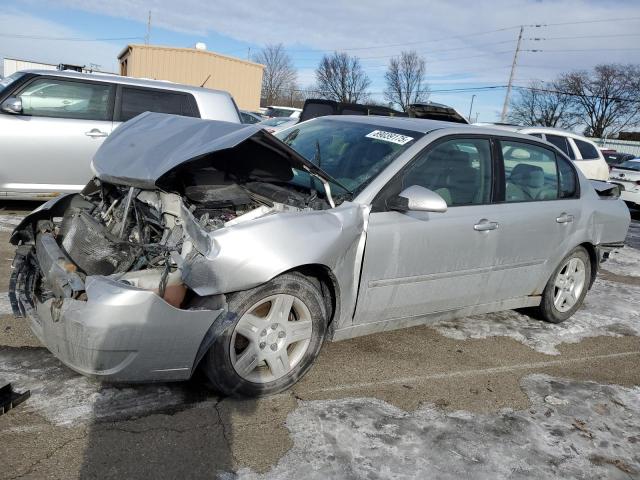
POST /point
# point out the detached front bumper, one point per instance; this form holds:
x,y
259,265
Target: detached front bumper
x,y
110,330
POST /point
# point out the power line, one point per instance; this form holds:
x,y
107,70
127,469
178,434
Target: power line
x,y
580,50
605,20
454,37
67,39
615,35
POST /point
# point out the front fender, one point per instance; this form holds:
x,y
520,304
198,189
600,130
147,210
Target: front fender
x,y
252,253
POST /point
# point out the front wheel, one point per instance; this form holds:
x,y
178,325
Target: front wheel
x,y
567,287
278,334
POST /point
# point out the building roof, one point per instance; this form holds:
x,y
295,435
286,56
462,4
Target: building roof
x,y
126,49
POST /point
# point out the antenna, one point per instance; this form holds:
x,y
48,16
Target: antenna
x,y
148,34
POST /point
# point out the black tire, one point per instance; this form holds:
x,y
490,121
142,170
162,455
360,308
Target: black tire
x,y
547,309
217,363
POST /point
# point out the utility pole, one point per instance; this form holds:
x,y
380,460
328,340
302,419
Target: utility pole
x,y
471,107
248,53
148,35
505,107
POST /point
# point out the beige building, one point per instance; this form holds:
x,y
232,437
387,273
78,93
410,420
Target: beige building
x,y
198,67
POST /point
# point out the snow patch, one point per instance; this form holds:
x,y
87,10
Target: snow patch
x,y
624,261
5,304
610,309
592,432
9,222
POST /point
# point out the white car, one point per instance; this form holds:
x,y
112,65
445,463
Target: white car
x,y
627,175
277,111
586,155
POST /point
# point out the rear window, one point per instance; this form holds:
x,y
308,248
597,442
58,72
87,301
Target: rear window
x,y
587,151
314,110
562,143
139,100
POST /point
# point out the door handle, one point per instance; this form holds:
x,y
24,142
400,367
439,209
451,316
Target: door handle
x,y
484,225
564,218
94,132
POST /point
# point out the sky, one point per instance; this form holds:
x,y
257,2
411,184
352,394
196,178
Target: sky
x,y
468,46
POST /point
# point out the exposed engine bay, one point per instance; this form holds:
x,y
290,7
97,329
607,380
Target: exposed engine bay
x,y
139,237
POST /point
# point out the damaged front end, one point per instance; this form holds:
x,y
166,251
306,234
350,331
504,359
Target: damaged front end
x,y
112,278
98,283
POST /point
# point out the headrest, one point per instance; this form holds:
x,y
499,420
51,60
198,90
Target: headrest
x,y
527,175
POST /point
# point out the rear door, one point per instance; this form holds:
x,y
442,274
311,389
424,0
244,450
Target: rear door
x,y
537,214
49,146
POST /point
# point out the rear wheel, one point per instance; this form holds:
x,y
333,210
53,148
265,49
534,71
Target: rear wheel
x,y
278,333
567,287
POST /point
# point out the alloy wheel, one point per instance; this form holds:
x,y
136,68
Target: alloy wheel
x,y
271,338
569,284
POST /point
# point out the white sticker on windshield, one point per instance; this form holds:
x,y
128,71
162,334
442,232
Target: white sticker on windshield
x,y
389,137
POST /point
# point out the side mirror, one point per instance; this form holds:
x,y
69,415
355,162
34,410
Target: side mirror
x,y
419,199
12,105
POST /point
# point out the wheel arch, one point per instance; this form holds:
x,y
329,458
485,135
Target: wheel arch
x,y
593,258
328,284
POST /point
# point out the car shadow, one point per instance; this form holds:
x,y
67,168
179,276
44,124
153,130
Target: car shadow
x,y
191,439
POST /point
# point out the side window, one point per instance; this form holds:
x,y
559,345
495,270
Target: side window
x,y
530,172
60,98
459,170
135,101
568,179
587,151
562,143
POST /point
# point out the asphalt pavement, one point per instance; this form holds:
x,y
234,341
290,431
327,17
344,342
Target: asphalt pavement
x,y
489,396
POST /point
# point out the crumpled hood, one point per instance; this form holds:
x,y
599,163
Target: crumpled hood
x,y
151,145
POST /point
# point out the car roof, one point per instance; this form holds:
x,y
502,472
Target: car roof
x,y
405,123
523,129
420,125
140,82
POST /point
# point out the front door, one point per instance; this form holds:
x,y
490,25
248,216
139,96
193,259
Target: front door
x,y
417,263
49,147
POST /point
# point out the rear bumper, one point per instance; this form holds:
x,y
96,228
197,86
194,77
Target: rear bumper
x,y
630,197
104,328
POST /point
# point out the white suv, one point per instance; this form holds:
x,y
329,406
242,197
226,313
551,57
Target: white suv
x,y
52,123
586,155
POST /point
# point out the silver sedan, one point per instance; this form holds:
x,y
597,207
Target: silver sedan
x,y
205,244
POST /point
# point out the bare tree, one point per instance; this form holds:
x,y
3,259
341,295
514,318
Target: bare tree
x,y
405,80
279,76
340,77
608,98
543,105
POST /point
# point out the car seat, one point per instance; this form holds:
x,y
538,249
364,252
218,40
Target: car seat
x,y
526,182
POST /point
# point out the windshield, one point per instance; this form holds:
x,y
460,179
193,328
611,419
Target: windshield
x,y
353,153
630,165
7,81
